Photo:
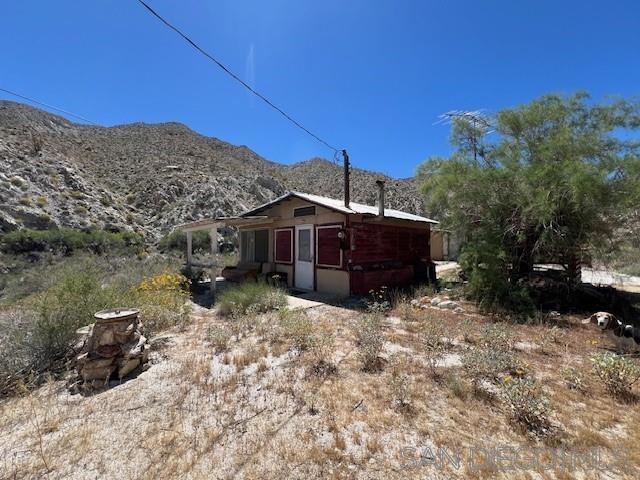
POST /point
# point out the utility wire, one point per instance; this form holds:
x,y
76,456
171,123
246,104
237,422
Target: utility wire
x,y
236,77
42,104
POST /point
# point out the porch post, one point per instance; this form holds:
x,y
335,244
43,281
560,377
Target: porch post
x,y
189,248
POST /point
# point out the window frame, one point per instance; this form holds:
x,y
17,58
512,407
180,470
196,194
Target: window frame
x,y
336,226
275,245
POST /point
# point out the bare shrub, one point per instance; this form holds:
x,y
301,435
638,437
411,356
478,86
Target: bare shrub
x,y
435,343
549,337
400,384
617,373
219,338
320,349
297,327
370,340
528,405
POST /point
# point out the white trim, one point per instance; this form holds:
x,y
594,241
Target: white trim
x,y
291,231
338,226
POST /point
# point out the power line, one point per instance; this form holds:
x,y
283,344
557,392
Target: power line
x,y
42,104
236,77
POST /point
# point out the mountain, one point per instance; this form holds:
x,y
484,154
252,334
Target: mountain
x,y
149,177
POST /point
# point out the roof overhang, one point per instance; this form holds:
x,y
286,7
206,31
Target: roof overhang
x,y
209,223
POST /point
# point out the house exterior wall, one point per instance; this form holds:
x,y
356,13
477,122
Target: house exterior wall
x,y
438,245
375,252
333,281
386,253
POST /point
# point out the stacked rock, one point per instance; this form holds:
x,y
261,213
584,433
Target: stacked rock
x,y
113,346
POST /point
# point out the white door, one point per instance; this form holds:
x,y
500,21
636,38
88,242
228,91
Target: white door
x,y
304,257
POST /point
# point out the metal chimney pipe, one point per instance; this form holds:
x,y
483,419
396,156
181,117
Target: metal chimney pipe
x,y
380,184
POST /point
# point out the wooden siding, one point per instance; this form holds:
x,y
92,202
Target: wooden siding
x,y
375,243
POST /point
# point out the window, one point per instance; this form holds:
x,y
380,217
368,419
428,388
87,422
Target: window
x,y
304,245
329,253
254,246
284,245
304,211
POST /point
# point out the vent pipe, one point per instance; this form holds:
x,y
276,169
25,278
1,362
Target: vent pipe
x,y
380,184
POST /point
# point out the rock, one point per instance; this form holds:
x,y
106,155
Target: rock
x,y
114,343
458,310
448,305
127,366
436,301
424,300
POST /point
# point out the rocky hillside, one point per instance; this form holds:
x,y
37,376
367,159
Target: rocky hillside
x,y
148,177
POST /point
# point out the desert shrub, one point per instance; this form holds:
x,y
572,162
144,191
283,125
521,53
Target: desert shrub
x,y
435,344
497,336
26,201
297,327
251,298
400,384
370,340
617,373
219,337
41,329
66,241
489,364
162,300
549,337
573,379
177,241
320,350
467,326
528,405
379,301
455,384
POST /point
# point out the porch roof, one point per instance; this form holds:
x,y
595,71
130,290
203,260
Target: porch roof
x,y
209,223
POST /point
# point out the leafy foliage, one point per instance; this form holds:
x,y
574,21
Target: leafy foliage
x,y
617,373
548,180
66,241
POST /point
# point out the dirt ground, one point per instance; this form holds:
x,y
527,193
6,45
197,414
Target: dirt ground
x,y
258,410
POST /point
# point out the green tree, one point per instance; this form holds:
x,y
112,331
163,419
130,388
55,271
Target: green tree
x,y
546,181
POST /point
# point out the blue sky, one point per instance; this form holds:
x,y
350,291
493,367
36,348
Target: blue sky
x,y
368,75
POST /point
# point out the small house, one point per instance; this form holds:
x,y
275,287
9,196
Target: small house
x,y
316,243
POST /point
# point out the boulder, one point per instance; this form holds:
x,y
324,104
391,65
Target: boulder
x,y
448,305
436,301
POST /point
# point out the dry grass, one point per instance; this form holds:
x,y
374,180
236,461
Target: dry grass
x,y
254,411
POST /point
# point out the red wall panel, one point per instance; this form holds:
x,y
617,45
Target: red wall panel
x,y
385,243
362,282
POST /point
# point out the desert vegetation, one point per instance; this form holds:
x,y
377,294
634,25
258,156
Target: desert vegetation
x,y
267,391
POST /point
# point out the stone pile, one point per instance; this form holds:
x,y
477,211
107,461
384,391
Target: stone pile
x,y
113,346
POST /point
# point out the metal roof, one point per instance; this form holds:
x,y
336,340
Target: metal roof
x,y
338,205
